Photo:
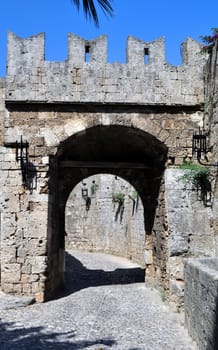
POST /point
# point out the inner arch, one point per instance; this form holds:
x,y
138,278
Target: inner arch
x,y
113,143
104,213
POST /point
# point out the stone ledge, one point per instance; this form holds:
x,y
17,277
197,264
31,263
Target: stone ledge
x,y
201,295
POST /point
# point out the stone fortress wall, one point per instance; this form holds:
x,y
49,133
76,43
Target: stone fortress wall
x,y
156,97
211,122
201,275
2,109
49,103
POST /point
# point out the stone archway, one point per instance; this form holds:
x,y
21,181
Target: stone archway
x,y
133,154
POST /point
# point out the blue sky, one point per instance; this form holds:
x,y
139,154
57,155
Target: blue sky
x,y
146,20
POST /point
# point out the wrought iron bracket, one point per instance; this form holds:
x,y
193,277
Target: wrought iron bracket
x,y
22,151
28,170
199,147
22,156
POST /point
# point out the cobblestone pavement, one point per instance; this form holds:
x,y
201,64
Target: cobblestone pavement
x,y
94,313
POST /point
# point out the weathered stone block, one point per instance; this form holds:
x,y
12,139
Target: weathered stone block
x,y
26,269
9,255
176,267
40,297
11,273
38,264
148,257
178,243
177,288
35,287
27,288
22,252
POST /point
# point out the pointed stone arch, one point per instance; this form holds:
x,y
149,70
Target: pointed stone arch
x,y
133,154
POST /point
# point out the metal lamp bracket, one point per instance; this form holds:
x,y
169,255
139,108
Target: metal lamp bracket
x,y
199,147
22,157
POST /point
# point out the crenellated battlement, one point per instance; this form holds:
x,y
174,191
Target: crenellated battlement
x,y
85,76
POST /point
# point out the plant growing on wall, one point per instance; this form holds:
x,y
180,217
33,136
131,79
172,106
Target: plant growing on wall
x,y
209,41
119,198
134,197
93,188
198,176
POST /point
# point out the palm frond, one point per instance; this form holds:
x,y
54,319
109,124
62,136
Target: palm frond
x,y
106,7
90,11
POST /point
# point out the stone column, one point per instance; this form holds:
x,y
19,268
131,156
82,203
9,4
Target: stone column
x,y
150,273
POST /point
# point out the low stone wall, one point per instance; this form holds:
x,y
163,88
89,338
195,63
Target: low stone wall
x,y
201,301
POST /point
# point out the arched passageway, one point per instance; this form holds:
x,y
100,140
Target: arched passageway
x,y
105,214
127,152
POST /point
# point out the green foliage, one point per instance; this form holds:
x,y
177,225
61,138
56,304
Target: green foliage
x,y
93,188
195,174
134,195
209,40
118,197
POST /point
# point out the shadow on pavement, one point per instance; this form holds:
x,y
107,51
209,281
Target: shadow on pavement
x,y
78,277
13,337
